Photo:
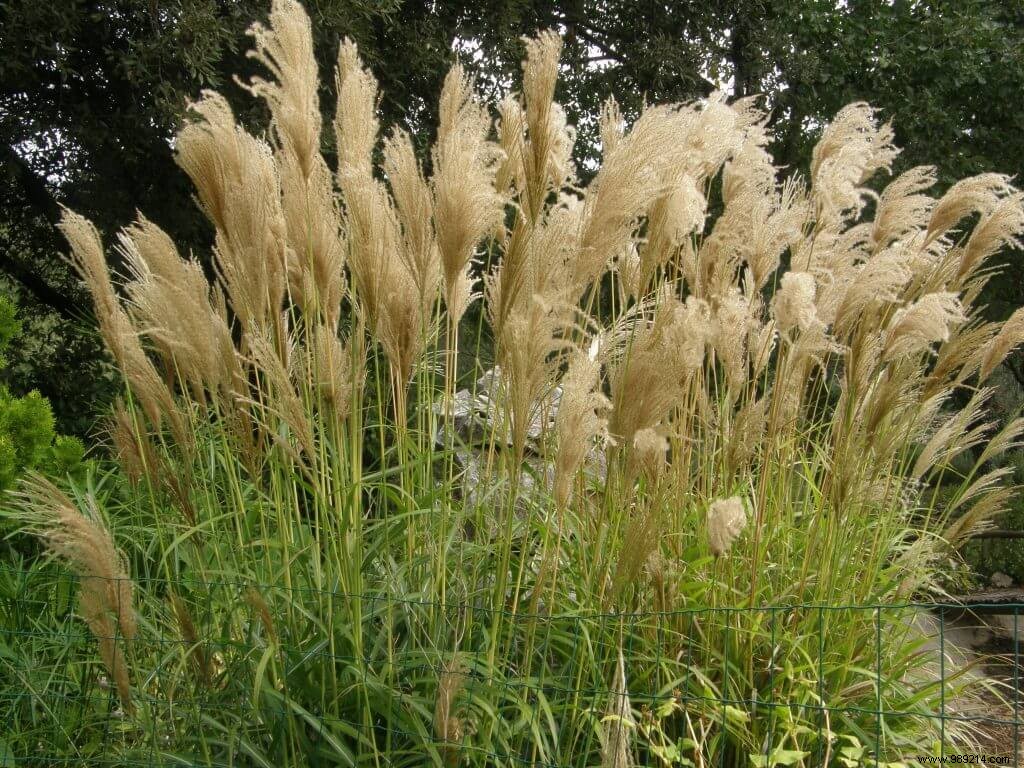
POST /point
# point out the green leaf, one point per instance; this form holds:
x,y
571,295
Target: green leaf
x,y
778,756
668,754
736,715
666,708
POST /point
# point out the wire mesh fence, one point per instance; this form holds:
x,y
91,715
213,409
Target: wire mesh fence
x,y
234,673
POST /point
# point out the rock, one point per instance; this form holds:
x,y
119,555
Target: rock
x,y
1001,580
467,416
474,423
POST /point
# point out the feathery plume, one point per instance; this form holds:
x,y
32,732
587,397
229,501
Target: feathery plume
x,y
726,520
448,726
716,133
902,208
731,325
861,291
467,207
746,433
960,357
394,301
755,228
629,181
762,339
1009,337
238,186
105,589
355,122
650,451
88,261
749,172
415,207
170,299
611,125
672,217
284,402
652,376
995,230
132,447
852,148
990,504
510,177
316,252
975,194
580,417
793,305
531,307
285,48
914,328
116,328
547,155
1005,440
316,244
954,435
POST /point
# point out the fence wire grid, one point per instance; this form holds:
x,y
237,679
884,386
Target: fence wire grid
x,y
267,675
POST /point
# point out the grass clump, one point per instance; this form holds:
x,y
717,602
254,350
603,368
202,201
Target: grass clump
x,y
687,417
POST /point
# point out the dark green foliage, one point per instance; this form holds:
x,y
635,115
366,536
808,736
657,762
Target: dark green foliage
x,y
1006,556
9,327
990,556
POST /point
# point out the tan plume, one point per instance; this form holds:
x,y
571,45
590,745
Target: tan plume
x,y
119,335
975,194
105,588
355,122
467,207
1009,337
917,326
726,520
171,302
238,185
581,417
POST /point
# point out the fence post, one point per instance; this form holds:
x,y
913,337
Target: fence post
x,y
1016,687
942,684
878,684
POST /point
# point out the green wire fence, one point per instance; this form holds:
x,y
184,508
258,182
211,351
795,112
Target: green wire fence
x,y
236,688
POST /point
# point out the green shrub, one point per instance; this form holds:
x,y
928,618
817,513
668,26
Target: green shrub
x,y
27,438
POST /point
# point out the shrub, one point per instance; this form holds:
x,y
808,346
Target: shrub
x,y
27,438
361,562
